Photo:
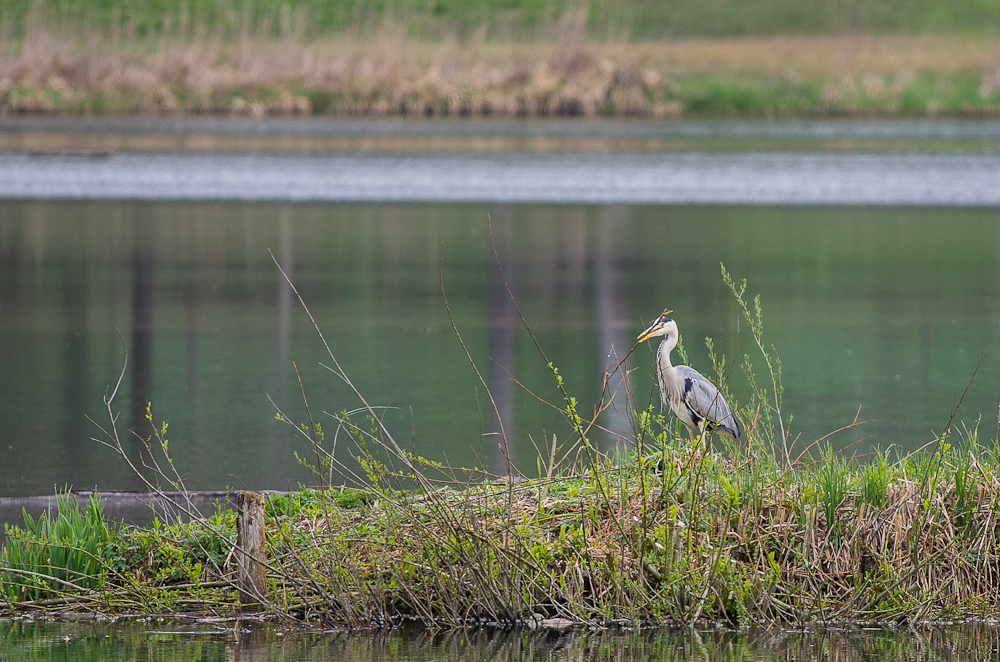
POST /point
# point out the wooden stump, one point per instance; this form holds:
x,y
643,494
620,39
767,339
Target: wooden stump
x,y
250,555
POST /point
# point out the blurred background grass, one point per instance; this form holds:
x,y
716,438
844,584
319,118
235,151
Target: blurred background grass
x,y
536,58
519,20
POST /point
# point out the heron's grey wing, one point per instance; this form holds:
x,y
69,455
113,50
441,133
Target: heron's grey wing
x,y
704,399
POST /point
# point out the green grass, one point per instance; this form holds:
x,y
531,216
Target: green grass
x,y
506,19
747,97
56,552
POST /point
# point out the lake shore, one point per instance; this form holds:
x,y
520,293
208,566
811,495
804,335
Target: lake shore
x,y
389,74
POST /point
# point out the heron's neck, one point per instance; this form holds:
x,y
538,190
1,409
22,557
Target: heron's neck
x,y
663,353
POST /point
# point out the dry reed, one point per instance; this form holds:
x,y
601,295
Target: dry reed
x,y
389,74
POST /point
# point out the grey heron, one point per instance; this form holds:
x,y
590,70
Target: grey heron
x,y
695,401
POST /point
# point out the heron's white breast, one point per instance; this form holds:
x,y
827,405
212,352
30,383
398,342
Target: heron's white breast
x,y
671,385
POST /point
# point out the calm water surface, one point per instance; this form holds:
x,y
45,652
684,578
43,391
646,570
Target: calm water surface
x,y
318,134
757,178
157,248
171,640
886,309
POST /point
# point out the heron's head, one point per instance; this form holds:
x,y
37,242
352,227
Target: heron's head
x,y
662,326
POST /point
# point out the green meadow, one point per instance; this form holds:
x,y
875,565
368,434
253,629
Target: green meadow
x,y
522,20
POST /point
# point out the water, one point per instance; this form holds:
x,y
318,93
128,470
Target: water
x,y
887,309
159,639
316,134
782,178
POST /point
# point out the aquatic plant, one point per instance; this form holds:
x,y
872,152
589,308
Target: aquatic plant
x,y
55,553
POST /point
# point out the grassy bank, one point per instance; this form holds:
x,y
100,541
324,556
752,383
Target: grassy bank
x,y
669,531
763,58
389,74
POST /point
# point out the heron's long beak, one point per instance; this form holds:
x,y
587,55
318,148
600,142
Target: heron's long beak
x,y
651,331
654,329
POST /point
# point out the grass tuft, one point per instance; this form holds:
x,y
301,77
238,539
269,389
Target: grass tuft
x,y
55,553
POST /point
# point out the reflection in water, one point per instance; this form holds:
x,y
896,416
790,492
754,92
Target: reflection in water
x,y
283,322
244,642
141,345
500,342
852,297
781,178
252,645
612,321
140,350
193,379
394,135
76,379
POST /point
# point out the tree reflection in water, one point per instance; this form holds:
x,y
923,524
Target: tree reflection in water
x,y
228,640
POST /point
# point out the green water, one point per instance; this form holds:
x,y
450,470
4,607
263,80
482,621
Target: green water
x,y
885,309
158,639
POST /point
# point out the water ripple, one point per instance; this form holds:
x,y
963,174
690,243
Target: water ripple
x,y
773,178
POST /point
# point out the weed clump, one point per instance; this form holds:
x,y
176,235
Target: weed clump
x,y
55,552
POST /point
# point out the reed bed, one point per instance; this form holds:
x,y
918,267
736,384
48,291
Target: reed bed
x,y
389,73
671,531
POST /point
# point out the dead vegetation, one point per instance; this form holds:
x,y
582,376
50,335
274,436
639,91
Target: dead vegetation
x,y
389,74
